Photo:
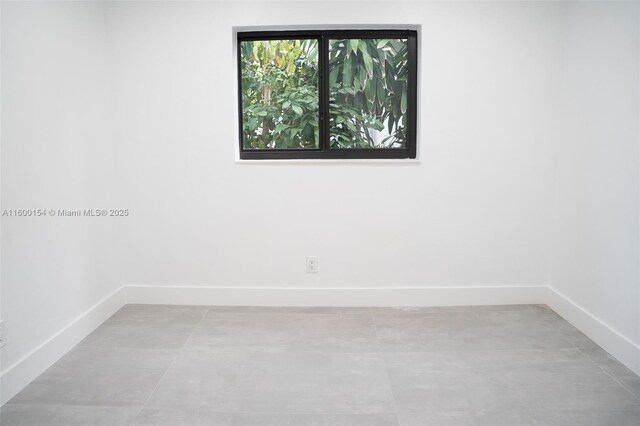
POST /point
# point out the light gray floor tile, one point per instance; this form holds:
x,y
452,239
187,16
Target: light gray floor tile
x,y
164,313
562,327
530,311
631,382
522,418
615,368
481,366
65,415
204,417
100,377
294,382
604,360
95,363
437,418
503,380
559,418
141,336
285,332
147,327
479,328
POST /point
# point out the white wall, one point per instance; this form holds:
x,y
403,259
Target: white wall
x,y
58,152
473,212
596,245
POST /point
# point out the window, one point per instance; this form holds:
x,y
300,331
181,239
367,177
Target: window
x,y
327,94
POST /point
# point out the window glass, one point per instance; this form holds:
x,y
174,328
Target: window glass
x,y
280,94
368,93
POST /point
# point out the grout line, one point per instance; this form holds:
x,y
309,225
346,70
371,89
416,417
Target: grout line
x,y
613,376
179,352
386,366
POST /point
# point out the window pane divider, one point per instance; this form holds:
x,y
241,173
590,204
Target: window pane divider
x,y
324,93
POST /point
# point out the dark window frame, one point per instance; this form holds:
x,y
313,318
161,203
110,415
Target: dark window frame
x,y
324,151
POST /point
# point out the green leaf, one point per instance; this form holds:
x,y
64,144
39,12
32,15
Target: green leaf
x,y
398,45
382,43
293,132
368,63
286,105
297,109
403,102
280,127
368,90
307,133
346,73
313,53
363,78
354,44
333,77
262,113
253,124
380,92
357,83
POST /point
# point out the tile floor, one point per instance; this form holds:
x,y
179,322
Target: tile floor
x,y
189,365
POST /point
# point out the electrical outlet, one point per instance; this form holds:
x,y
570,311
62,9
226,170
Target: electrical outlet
x,y
312,264
3,337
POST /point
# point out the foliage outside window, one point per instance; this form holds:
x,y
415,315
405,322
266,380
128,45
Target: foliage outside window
x,y
331,94
280,94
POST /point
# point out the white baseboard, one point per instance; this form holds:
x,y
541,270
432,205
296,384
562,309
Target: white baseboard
x,y
280,296
611,340
26,369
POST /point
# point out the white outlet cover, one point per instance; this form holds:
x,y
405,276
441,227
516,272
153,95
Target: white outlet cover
x,y
312,264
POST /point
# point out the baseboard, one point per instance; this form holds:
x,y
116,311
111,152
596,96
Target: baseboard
x,y
25,370
280,296
611,340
